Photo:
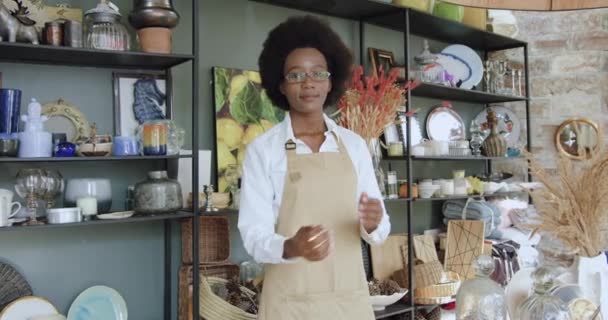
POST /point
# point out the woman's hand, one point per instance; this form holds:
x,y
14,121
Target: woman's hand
x,y
310,242
370,213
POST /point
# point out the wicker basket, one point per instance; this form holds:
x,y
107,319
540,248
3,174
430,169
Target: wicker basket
x,y
214,240
213,307
447,289
224,271
427,274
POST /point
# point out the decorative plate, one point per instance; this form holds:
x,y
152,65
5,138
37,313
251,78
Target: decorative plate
x,y
98,302
443,123
28,307
115,215
65,118
12,285
454,66
471,59
509,124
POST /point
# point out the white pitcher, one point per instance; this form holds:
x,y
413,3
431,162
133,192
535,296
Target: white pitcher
x,y
6,207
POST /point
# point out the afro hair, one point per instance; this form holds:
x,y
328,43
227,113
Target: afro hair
x,y
304,32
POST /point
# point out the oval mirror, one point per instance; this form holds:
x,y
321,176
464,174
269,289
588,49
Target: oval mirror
x,y
577,138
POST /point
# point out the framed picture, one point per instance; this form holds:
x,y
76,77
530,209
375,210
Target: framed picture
x,y
139,97
381,58
242,112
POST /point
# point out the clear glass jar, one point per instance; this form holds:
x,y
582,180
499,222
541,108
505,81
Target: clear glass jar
x,y
541,304
103,29
481,298
393,187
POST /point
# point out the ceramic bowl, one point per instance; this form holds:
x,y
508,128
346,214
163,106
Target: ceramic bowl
x,y
98,188
428,191
9,147
380,302
63,215
94,150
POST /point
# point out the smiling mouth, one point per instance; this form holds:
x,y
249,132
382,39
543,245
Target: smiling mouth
x,y
309,97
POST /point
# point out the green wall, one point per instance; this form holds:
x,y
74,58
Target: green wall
x,y
61,262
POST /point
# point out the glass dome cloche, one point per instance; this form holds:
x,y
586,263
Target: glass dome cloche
x,y
542,305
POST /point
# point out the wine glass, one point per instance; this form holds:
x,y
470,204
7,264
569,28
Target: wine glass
x,y
54,184
29,185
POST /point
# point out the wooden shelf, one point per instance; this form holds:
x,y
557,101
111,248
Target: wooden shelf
x,y
82,57
133,219
85,159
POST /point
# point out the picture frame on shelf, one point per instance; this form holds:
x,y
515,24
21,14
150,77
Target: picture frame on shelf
x,y
381,58
138,97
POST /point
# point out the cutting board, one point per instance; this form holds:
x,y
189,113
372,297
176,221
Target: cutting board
x,y
387,258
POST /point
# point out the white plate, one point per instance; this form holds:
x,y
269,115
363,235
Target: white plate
x,y
445,124
28,307
380,302
98,302
454,66
115,215
472,59
508,124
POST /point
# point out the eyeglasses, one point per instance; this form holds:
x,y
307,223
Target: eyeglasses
x,y
297,77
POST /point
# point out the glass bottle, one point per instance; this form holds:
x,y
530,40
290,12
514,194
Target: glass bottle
x,y
460,183
541,304
393,187
476,138
481,298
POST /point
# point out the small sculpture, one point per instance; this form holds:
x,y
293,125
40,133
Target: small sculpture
x,y
495,144
16,26
34,140
209,207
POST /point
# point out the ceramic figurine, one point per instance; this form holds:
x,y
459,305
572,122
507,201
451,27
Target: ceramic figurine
x,y
34,140
209,207
16,26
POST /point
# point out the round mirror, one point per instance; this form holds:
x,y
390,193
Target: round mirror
x,y
577,138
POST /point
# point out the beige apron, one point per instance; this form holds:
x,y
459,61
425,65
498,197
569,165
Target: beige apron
x,y
320,188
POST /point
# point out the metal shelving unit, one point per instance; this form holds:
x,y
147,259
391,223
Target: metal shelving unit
x,y
412,22
83,57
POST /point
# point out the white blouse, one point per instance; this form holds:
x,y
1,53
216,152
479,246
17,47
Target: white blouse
x,y
264,169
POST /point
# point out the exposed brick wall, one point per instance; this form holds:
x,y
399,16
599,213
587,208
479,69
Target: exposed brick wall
x,y
568,54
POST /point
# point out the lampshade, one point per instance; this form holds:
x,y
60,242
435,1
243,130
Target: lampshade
x,y
533,5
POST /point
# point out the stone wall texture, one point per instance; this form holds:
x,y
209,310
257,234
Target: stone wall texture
x,y
568,56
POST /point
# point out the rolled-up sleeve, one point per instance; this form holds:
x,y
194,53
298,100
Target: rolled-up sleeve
x,y
256,218
367,183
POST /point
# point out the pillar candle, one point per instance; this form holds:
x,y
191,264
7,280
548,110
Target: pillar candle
x,y
88,205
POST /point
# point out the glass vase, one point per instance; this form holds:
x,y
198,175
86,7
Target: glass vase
x,y
541,305
481,298
375,151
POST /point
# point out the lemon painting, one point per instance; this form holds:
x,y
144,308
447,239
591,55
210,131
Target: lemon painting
x,y
242,112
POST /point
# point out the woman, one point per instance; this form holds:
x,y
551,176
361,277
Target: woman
x,y
309,192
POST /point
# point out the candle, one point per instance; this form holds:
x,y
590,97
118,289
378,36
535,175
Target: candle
x,y
88,205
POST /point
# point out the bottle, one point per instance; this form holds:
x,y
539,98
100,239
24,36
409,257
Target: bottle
x,y
393,187
481,298
34,142
541,304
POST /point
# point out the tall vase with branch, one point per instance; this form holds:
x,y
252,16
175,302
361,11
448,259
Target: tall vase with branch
x,y
572,207
369,105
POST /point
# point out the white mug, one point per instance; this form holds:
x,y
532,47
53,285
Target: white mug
x,y
6,206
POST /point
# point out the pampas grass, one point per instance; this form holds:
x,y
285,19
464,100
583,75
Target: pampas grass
x,y
573,205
